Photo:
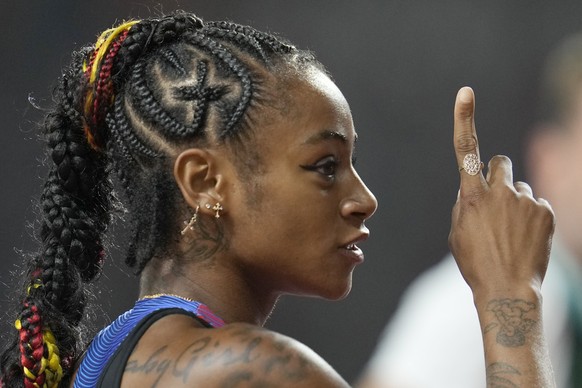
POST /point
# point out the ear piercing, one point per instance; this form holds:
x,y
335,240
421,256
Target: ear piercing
x,y
190,224
217,209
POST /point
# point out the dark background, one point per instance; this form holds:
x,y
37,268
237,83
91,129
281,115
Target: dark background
x,y
399,63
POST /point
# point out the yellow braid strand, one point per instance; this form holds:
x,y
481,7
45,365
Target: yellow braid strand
x,y
28,373
37,283
101,47
103,43
51,364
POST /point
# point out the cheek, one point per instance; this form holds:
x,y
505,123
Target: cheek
x,y
302,211
289,219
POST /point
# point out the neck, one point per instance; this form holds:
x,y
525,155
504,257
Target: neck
x,y
224,290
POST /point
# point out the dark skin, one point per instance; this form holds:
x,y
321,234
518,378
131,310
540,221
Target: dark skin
x,y
501,238
308,170
300,238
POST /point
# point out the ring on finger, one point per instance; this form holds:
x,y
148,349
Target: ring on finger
x,y
471,164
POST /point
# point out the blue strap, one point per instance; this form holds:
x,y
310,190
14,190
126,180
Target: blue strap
x,y
108,340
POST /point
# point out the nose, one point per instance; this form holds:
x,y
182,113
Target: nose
x,y
361,203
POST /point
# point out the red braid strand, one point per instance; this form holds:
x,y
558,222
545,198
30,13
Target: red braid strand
x,y
100,93
39,353
103,96
31,348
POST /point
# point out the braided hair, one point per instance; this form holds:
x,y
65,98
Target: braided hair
x,y
126,107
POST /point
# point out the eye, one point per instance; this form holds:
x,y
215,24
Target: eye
x,y
326,167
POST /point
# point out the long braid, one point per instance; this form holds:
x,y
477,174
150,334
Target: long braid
x,y
129,104
74,208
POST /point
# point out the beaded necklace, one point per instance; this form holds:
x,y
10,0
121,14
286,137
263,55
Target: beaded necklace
x,y
108,340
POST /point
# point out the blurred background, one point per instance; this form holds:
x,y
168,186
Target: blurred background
x,y
399,63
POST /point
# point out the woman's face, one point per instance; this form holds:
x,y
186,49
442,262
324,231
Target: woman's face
x,y
299,234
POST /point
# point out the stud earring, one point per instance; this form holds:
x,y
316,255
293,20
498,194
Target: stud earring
x,y
190,224
217,209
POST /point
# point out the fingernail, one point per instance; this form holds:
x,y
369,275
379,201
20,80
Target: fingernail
x,y
465,94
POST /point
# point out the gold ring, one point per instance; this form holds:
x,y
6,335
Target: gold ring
x,y
471,164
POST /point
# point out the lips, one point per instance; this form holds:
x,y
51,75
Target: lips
x,y
362,235
352,251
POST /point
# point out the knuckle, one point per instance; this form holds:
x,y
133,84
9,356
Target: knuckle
x,y
522,187
547,207
521,184
503,158
466,144
499,160
547,212
465,112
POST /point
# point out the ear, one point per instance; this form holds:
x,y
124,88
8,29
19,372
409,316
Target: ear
x,y
200,178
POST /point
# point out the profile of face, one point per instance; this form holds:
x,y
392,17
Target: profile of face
x,y
299,234
555,157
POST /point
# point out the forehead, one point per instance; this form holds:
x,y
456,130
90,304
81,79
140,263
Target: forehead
x,y
318,92
314,104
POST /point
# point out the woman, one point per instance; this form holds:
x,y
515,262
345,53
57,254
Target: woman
x,y
232,153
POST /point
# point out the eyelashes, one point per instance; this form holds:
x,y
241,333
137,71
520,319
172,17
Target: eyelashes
x,y
328,166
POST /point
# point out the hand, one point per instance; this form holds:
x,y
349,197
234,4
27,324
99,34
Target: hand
x,y
500,234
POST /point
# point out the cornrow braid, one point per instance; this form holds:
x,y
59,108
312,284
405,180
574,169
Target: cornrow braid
x,y
252,38
179,72
163,120
128,105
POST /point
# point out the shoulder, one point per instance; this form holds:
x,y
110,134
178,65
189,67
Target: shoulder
x,y
276,358
235,355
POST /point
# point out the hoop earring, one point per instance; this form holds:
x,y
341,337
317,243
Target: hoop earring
x,y
190,224
217,209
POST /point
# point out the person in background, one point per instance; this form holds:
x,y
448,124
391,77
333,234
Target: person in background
x,y
434,339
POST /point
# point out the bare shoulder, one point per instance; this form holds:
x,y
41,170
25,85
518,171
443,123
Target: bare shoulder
x,y
237,355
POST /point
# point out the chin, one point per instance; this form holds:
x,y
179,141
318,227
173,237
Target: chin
x,y
325,290
338,293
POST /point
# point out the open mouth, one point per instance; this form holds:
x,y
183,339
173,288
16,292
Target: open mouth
x,y
353,252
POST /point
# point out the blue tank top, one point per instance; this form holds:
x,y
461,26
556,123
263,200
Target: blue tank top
x,y
104,362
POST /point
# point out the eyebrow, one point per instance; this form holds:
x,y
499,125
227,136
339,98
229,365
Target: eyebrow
x,y
327,135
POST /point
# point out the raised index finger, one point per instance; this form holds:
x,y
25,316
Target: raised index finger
x,y
466,143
